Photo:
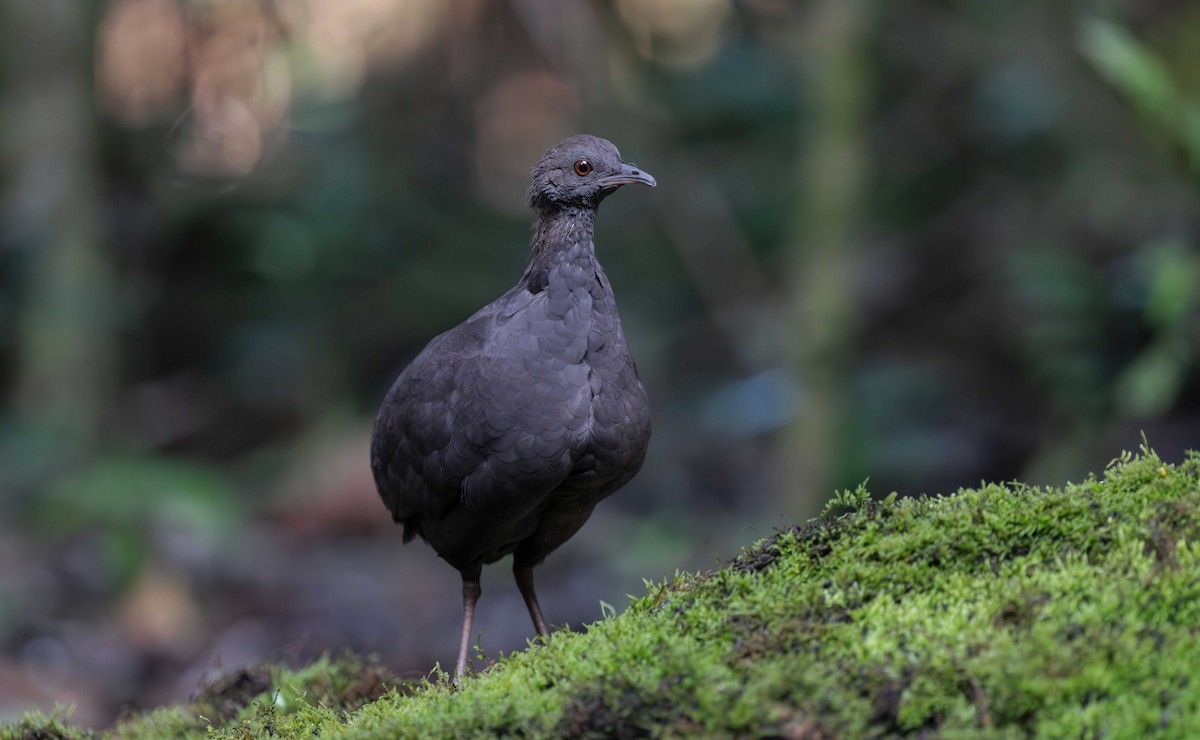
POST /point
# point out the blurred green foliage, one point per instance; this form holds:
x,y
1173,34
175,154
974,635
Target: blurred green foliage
x,y
126,501
1147,82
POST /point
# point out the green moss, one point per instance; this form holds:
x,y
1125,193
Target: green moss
x,y
39,726
266,700
999,611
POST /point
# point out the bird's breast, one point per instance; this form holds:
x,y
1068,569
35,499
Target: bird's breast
x,y
581,349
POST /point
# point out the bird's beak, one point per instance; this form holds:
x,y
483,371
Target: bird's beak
x,y
628,176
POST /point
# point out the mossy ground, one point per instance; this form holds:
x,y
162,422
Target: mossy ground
x,y
1003,611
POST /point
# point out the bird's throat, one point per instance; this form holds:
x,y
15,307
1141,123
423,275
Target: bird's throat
x,y
564,230
561,236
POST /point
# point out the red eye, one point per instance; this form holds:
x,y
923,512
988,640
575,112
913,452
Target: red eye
x,y
583,168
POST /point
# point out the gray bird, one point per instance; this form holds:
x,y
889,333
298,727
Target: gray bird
x,y
507,430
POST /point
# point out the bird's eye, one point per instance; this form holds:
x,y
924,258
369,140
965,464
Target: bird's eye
x,y
583,168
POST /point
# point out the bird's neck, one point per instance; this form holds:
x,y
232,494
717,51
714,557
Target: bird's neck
x,y
565,232
562,235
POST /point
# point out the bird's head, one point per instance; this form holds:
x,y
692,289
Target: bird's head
x,y
580,171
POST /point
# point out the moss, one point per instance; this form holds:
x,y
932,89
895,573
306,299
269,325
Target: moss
x,y
39,726
1001,611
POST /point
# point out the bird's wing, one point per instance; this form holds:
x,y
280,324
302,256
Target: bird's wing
x,y
478,418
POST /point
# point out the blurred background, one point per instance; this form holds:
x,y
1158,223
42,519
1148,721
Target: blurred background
x,y
923,242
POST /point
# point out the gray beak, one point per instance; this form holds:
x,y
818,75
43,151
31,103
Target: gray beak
x,y
628,176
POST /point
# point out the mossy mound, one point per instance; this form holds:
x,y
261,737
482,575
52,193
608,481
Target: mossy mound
x,y
995,612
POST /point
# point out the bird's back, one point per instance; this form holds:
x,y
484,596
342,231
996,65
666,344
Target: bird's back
x,y
506,430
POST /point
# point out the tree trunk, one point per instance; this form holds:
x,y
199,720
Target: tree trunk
x,y
822,292
66,354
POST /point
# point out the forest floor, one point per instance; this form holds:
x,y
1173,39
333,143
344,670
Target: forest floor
x,y
1002,611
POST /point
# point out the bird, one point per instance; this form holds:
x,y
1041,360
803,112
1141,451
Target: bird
x,y
504,432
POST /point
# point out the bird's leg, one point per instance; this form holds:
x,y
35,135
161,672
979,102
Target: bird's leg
x,y
471,591
524,577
